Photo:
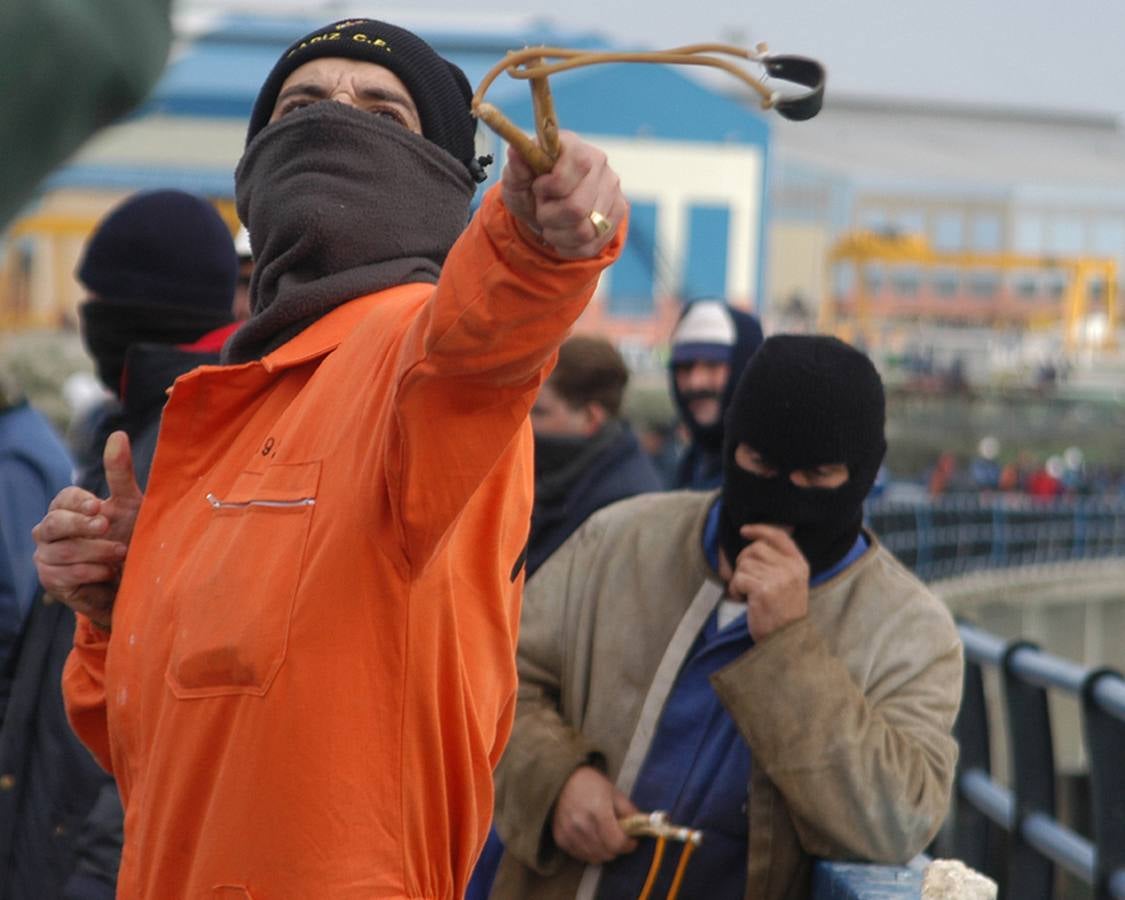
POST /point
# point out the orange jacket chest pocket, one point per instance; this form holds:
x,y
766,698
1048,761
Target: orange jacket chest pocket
x,y
234,599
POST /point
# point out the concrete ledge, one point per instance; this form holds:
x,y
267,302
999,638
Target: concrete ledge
x,y
1073,582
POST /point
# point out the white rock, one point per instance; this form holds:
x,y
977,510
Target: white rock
x,y
951,879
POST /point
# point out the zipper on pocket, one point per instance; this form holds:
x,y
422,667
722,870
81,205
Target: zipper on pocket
x,y
216,503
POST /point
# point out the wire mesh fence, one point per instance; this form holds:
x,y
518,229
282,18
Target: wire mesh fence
x,y
960,534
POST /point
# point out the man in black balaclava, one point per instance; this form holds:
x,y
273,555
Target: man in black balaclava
x,y
789,673
710,346
804,440
301,665
159,271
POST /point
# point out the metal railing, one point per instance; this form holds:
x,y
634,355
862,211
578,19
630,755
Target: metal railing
x,y
1037,841
959,534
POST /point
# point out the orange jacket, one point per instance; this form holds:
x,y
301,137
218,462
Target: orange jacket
x,y
311,672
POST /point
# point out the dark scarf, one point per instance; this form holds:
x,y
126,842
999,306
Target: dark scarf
x,y
111,327
339,203
561,460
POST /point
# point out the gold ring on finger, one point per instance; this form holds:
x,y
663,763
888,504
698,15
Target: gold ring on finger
x,y
601,223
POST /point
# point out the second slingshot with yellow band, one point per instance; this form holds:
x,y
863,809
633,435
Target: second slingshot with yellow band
x,y
656,825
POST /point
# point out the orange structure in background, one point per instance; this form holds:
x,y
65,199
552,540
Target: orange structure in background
x,y
47,244
970,288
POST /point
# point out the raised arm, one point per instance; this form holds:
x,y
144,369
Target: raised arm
x,y
473,361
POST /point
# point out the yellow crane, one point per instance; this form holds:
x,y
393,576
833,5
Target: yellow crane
x,y
1081,276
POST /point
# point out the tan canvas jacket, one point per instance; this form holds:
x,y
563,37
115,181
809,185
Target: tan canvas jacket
x,y
848,713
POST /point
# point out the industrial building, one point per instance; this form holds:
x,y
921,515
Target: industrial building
x,y
726,201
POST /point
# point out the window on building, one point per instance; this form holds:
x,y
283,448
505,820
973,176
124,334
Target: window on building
x,y
908,221
1029,234
843,280
986,233
18,303
1109,239
984,283
1064,237
633,276
1025,285
946,282
873,219
949,232
904,282
705,269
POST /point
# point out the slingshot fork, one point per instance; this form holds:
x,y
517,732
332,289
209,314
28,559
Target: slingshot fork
x,y
531,64
656,825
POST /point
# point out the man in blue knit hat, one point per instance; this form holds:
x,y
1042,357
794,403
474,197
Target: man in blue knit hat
x,y
710,346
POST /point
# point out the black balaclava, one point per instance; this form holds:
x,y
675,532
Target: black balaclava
x,y
700,333
167,248
110,328
803,401
161,267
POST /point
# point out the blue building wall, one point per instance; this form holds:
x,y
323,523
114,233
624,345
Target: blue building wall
x,y
708,232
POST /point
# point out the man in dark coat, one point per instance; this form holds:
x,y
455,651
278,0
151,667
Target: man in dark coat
x,y
586,456
711,345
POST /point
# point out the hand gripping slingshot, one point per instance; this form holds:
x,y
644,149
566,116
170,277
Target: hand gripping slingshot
x,y
656,825
532,64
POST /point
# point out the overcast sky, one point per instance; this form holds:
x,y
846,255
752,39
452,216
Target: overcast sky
x,y
1045,54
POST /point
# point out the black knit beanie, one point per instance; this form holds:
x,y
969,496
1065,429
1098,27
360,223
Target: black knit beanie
x,y
439,89
807,400
162,247
804,401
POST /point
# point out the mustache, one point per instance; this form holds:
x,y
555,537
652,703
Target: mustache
x,y
690,397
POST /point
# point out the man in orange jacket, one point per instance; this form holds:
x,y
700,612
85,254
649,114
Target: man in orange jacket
x,y
302,672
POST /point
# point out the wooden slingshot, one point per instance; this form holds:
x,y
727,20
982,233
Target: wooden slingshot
x,y
532,64
656,825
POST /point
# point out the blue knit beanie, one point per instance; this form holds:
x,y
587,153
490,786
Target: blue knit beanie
x,y
164,247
